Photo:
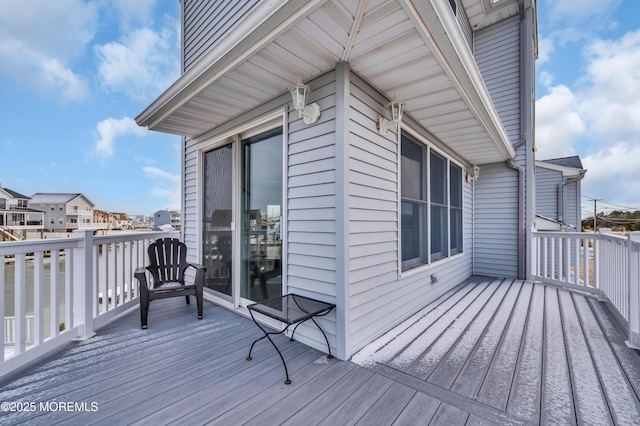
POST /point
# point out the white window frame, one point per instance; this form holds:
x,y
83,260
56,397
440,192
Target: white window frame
x,y
430,147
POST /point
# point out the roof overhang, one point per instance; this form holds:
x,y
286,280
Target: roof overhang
x,y
411,49
565,170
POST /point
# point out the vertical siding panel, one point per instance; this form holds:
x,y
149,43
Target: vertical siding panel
x,y
547,182
497,52
496,226
206,22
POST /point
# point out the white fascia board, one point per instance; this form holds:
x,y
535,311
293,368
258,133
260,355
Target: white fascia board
x,y
440,30
566,170
265,23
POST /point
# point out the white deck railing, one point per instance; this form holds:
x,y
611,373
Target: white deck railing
x,y
603,264
65,289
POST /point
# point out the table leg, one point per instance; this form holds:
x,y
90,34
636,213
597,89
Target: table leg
x,y
266,334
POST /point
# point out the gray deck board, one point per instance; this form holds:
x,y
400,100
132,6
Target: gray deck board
x,y
488,352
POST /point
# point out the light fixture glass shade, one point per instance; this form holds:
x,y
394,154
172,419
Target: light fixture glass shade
x,y
299,95
309,113
396,108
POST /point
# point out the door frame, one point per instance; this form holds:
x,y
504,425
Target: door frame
x,y
234,137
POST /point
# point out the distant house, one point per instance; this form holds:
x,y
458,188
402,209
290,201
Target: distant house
x,y
166,217
121,221
64,212
558,194
101,219
161,217
17,215
333,197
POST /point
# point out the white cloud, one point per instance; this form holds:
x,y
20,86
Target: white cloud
x,y
545,47
167,186
112,128
39,39
141,65
599,116
558,123
131,13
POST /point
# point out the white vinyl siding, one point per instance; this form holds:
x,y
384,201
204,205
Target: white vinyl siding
x,y
206,22
378,298
497,53
547,182
496,221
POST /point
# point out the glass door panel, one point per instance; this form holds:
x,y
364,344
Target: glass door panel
x,y
261,205
217,219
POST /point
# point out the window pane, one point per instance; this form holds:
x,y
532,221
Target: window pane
x,y
413,235
412,170
438,175
455,185
438,232
455,195
456,230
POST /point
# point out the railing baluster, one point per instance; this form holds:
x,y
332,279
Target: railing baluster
x,y
20,303
38,298
68,289
54,282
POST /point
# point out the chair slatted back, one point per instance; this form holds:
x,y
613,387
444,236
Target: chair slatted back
x,y
168,261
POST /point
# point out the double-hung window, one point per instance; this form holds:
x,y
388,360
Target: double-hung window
x,y
431,205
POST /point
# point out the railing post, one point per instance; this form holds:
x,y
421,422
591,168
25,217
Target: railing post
x,y
83,285
634,289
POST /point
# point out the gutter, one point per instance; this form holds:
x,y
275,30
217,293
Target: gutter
x,y
561,193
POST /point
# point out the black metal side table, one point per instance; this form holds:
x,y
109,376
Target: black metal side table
x,y
290,309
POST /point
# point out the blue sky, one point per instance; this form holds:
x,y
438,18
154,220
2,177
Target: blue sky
x,y
74,74
588,94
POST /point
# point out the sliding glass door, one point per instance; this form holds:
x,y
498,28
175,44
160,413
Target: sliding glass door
x,y
261,200
242,217
217,235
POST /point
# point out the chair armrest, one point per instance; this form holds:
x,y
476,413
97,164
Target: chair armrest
x,y
200,271
141,276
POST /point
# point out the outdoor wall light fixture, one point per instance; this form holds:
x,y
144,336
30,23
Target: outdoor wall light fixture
x,y
396,108
309,113
473,173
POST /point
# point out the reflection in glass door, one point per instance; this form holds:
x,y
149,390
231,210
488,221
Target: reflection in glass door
x,y
261,261
217,219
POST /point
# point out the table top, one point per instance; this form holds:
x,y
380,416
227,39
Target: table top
x,y
291,308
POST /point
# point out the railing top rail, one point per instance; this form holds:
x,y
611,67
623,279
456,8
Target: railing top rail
x,y
576,235
30,246
132,236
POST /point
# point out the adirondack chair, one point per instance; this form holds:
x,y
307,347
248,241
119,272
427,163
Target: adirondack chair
x,y
167,258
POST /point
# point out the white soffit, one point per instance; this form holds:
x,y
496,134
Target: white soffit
x,y
390,43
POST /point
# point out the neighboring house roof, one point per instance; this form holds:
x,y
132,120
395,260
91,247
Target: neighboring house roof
x,y
547,224
56,198
569,166
13,194
573,161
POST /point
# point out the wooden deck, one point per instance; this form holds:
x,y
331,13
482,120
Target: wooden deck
x,y
488,352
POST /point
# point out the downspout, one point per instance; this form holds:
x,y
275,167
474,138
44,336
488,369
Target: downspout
x,y
521,219
525,127
561,195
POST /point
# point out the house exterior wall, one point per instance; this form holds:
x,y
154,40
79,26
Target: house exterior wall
x,y
547,182
205,22
342,226
572,200
497,50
